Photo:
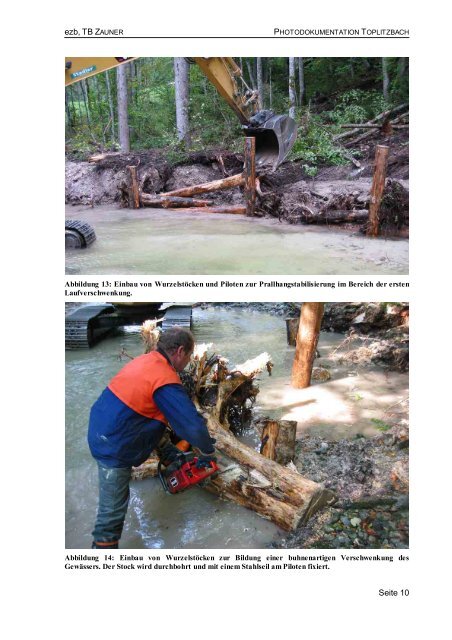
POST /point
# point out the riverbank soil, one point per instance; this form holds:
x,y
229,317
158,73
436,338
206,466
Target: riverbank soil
x,y
336,195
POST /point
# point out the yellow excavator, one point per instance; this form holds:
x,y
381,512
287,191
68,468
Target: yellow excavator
x,y
275,134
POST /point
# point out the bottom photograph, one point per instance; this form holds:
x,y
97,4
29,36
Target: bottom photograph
x,y
237,425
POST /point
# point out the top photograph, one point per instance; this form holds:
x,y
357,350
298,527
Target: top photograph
x,y
211,166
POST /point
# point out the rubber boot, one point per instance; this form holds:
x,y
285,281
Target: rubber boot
x,y
105,545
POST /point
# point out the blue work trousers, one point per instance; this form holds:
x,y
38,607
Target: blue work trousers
x,y
113,503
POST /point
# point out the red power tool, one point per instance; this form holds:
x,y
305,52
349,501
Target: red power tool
x,y
183,473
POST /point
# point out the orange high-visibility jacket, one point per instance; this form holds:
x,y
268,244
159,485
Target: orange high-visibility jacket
x,y
136,383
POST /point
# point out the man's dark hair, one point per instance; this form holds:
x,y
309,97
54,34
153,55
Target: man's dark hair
x,y
176,337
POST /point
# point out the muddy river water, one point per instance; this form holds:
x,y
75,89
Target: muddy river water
x,y
156,241
342,407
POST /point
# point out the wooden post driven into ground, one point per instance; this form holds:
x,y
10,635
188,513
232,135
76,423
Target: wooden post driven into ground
x,y
308,335
134,192
292,330
250,175
376,192
278,440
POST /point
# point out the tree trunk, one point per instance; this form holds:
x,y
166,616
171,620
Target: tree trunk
x,y
376,193
123,119
85,100
262,485
111,107
99,108
260,83
401,69
384,67
207,187
250,175
292,92
250,479
70,123
301,81
182,91
74,111
270,85
251,75
308,336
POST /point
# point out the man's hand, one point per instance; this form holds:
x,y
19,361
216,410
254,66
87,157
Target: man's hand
x,y
168,453
205,460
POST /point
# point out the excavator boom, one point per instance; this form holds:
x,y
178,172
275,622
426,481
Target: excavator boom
x,y
275,134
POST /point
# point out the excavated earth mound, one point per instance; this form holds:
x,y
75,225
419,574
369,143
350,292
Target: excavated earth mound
x,y
336,196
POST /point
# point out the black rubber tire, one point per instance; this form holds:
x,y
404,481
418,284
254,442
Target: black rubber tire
x,y
78,234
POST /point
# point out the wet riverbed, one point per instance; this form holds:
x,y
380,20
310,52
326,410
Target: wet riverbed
x,y
155,241
339,408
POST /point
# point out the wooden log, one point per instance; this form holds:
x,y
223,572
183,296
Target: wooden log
x,y
220,209
98,157
134,192
275,492
381,116
308,336
250,175
278,440
164,202
207,187
360,126
146,470
336,216
376,192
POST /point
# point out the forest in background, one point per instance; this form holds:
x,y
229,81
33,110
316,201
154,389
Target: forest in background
x,y
166,103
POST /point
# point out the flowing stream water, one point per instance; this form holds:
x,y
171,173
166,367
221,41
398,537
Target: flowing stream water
x,y
157,241
342,407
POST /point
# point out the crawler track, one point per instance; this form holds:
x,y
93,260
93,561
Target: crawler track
x,y
78,234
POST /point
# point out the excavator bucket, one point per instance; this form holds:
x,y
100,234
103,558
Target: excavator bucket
x,y
274,139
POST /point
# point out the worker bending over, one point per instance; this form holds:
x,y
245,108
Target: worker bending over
x,y
129,419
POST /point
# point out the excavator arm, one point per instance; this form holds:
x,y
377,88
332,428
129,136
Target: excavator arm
x,y
275,134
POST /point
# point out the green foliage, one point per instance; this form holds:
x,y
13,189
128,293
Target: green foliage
x,y
314,146
356,106
337,90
